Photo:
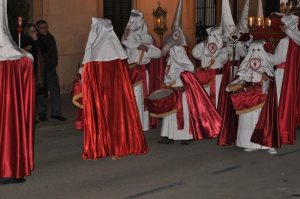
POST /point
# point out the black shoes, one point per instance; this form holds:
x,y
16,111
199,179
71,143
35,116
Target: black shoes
x,y
43,119
11,180
185,142
60,118
165,140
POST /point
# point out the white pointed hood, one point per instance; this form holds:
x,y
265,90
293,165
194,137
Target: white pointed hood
x,y
257,59
136,32
103,44
177,36
260,13
178,62
228,26
242,25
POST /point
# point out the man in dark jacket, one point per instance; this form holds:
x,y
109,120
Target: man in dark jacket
x,y
51,62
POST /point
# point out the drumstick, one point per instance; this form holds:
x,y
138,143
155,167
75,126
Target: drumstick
x,y
159,79
131,66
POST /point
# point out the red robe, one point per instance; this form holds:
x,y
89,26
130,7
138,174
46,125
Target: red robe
x,y
77,101
289,105
17,111
111,121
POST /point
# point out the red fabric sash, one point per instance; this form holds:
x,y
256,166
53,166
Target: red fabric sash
x,y
204,120
281,65
137,74
289,104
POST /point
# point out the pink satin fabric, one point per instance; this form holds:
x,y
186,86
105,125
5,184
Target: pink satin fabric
x,y
204,120
17,111
111,121
289,105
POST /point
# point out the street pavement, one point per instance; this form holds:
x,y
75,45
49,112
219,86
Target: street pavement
x,y
201,170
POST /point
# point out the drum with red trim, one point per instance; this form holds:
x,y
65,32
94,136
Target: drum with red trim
x,y
162,102
248,99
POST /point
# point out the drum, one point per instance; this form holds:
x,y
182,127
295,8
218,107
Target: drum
x,y
248,99
162,102
205,77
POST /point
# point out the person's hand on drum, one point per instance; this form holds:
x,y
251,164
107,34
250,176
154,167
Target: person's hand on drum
x,y
199,68
264,77
143,48
212,62
234,87
179,88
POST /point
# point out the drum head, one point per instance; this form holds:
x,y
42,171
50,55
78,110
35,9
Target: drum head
x,y
160,94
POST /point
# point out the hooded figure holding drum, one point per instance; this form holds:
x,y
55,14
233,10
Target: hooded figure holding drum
x,y
196,117
253,94
140,50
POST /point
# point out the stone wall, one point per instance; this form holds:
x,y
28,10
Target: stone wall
x,y
69,21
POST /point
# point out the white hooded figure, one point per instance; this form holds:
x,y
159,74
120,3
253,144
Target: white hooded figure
x,y
178,62
135,35
289,25
237,37
177,36
140,50
254,68
8,48
213,55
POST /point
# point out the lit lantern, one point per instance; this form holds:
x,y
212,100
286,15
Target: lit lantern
x,y
160,21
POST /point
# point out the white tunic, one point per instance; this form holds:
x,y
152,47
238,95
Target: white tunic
x,y
279,57
200,53
169,123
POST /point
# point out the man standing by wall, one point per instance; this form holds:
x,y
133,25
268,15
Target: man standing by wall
x,y
51,62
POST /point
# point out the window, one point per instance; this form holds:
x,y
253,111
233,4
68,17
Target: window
x,y
205,17
118,11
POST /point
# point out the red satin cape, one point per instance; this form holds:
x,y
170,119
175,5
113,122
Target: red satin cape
x,y
266,132
111,121
289,105
204,120
17,111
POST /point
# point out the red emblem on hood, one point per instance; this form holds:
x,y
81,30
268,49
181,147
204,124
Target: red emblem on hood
x,y
255,63
212,47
